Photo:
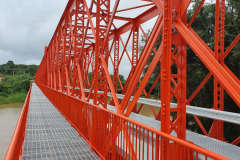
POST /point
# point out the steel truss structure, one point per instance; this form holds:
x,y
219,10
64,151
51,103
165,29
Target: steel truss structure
x,y
87,39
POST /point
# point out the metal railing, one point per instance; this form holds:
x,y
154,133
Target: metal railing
x,y
15,148
113,136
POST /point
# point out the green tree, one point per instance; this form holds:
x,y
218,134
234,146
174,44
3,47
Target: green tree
x,y
203,25
10,67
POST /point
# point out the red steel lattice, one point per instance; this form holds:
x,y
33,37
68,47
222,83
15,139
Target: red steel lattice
x,y
84,40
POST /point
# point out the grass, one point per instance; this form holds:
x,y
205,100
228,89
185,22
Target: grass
x,y
11,105
13,98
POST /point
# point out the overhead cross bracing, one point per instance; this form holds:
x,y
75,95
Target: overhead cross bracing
x,y
108,37
100,37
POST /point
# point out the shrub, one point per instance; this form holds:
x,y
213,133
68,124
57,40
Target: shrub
x,y
3,94
2,100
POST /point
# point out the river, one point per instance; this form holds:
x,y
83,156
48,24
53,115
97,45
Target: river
x,y
9,114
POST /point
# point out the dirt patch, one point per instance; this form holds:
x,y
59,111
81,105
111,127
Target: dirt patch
x,y
1,78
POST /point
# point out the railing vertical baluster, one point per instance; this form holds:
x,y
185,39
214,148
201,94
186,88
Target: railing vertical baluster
x,y
139,144
157,147
175,150
136,140
152,147
128,132
102,124
147,144
143,144
121,143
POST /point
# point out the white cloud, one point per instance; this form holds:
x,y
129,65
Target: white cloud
x,y
5,55
32,61
27,27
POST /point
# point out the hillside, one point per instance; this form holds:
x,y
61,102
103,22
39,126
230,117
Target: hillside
x,y
15,80
16,69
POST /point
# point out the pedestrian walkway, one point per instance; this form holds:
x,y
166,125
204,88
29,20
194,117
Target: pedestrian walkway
x,y
49,136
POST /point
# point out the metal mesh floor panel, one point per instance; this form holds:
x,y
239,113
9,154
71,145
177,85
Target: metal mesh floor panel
x,y
49,136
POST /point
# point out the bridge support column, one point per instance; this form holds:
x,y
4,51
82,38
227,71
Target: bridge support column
x,y
217,129
116,63
173,79
100,80
135,58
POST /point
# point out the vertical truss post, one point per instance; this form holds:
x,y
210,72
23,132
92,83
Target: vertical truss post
x,y
135,58
116,63
100,83
67,59
96,54
217,129
179,90
60,58
63,57
165,76
57,62
51,64
77,37
173,84
87,62
48,66
74,38
105,9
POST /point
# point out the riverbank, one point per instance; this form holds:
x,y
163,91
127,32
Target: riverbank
x,y
11,105
13,98
9,114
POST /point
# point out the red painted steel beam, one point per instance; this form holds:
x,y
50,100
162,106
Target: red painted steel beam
x,y
127,9
165,74
199,88
217,129
78,47
15,147
236,141
142,18
142,61
206,57
106,115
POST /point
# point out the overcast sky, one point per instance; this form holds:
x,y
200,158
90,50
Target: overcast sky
x,y
26,26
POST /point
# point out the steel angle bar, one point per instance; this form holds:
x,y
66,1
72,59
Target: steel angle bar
x,y
214,114
199,111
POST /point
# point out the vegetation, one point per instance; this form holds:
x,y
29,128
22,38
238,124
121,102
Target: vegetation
x,y
121,77
203,25
16,69
13,98
14,88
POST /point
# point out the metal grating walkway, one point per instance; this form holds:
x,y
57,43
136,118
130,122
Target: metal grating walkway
x,y
49,136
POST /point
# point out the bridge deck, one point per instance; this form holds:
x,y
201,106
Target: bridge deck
x,y
49,135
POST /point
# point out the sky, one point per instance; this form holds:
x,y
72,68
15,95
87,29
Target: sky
x,y
27,26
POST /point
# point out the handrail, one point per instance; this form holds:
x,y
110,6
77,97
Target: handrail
x,y
99,119
15,147
193,110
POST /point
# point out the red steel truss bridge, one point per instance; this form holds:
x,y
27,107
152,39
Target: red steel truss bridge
x,y
68,115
